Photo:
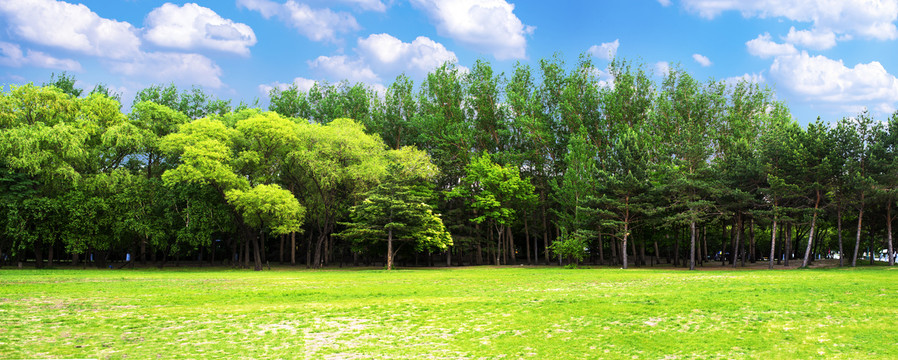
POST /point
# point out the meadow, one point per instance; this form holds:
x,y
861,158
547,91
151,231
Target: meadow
x,y
453,313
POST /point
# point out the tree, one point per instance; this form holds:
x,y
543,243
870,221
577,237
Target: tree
x,y
398,209
493,191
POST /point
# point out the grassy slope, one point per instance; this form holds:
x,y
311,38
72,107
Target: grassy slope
x,y
455,313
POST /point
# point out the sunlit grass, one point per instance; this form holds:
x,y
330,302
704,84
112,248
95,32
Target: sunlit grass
x,y
467,313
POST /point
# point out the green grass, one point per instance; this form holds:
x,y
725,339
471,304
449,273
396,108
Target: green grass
x,y
467,313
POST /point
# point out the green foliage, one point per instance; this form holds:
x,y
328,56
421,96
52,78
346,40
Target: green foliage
x,y
268,205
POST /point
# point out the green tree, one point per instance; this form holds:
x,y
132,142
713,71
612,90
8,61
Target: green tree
x,y
398,209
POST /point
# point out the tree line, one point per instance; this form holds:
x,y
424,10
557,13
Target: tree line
x,y
549,164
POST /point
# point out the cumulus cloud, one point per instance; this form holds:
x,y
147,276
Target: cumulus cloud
x,y
11,55
606,50
870,19
489,26
702,60
185,69
368,5
389,54
192,26
341,67
820,79
752,78
816,40
71,27
301,83
664,3
662,68
316,24
764,47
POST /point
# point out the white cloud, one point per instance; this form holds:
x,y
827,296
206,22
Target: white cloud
x,y
868,18
764,48
752,78
605,51
184,69
488,26
68,26
341,67
316,24
368,5
392,55
192,26
702,60
662,68
11,55
302,84
664,3
816,40
819,79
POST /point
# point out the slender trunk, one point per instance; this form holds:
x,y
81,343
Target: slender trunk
x,y
857,243
787,252
807,250
281,249
624,246
449,256
527,239
657,253
50,255
390,249
751,238
614,257
889,234
635,255
76,258
772,244
692,245
317,259
839,226
511,253
309,251
246,253
545,229
257,253
677,250
737,239
293,248
601,250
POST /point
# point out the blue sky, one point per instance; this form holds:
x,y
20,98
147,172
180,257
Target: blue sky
x,y
824,58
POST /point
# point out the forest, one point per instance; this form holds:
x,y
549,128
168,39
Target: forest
x,y
551,164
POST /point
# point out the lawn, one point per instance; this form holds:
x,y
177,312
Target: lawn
x,y
458,313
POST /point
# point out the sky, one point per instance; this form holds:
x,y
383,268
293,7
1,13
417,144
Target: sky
x,y
828,59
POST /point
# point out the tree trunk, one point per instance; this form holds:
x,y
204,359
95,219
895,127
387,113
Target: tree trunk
x,y
293,248
316,260
657,254
527,239
309,251
449,256
281,249
624,245
511,252
787,252
751,238
737,239
545,229
257,254
807,250
390,249
772,244
839,226
601,250
857,243
692,245
889,247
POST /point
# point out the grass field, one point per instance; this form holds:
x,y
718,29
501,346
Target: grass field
x,y
460,313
